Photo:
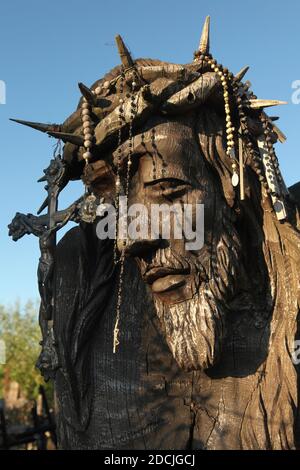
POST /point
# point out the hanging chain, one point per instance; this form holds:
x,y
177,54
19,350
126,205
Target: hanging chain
x,y
118,179
121,260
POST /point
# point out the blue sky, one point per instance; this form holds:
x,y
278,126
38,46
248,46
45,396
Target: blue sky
x,y
48,47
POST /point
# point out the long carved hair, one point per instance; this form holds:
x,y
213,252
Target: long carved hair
x,y
271,256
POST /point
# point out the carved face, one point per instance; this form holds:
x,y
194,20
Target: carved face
x,y
189,287
170,171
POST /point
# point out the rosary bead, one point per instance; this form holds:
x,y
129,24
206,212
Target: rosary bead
x,y
87,144
87,125
87,129
86,118
98,90
87,155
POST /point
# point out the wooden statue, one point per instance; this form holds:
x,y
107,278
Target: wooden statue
x,y
153,346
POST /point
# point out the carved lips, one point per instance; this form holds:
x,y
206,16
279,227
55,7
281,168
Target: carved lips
x,y
169,283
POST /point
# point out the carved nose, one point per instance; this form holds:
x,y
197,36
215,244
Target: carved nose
x,y
140,247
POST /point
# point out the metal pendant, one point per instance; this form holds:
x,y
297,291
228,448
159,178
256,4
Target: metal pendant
x,y
88,209
235,179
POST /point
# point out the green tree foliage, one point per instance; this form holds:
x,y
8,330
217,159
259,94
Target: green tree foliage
x,y
19,329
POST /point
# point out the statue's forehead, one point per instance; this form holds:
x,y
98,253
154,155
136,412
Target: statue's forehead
x,y
168,151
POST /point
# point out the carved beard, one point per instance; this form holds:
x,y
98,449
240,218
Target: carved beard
x,y
194,329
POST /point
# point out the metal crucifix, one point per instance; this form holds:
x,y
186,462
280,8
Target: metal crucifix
x,y
45,228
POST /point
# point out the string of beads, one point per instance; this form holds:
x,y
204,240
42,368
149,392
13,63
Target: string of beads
x,y
121,260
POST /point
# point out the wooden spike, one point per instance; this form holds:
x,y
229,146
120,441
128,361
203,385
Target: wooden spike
x,y
240,75
281,136
43,206
274,118
72,138
257,104
39,126
124,54
87,93
42,179
204,40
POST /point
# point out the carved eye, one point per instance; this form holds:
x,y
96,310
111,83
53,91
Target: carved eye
x,y
170,188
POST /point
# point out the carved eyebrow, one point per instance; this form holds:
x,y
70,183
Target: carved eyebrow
x,y
177,181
